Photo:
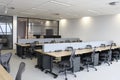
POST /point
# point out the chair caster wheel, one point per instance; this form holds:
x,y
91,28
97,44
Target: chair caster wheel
x,y
55,76
36,66
46,72
65,78
75,76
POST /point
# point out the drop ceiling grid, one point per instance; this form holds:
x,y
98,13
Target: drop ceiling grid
x,y
47,8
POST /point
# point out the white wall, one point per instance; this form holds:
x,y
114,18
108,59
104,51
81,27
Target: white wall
x,y
92,28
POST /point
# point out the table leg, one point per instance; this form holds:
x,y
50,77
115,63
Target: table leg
x,y
51,66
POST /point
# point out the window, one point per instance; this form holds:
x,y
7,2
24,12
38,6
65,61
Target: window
x,y
6,32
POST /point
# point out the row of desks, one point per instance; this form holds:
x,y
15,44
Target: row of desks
x,y
77,52
4,75
21,49
45,59
48,56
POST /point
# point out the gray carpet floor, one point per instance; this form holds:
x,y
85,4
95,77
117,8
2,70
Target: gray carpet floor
x,y
104,71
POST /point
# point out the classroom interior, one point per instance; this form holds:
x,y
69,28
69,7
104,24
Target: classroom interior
x,y
59,40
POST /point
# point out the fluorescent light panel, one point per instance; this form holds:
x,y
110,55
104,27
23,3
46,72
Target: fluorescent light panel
x,y
28,13
60,3
38,9
93,11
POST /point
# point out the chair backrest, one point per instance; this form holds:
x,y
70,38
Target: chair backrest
x,y
69,48
111,46
36,42
93,54
79,40
61,42
53,41
67,41
88,47
32,47
72,56
20,71
114,44
102,45
5,58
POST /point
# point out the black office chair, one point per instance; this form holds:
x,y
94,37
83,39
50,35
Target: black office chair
x,y
36,42
88,47
68,64
67,41
5,59
115,53
79,40
37,46
20,71
88,59
53,41
104,55
31,50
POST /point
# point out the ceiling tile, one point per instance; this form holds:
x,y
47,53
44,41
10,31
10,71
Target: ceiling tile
x,y
65,8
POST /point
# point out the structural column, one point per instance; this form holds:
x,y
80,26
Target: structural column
x,y
14,31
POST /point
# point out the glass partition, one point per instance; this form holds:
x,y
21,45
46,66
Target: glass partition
x,y
37,28
40,28
6,32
